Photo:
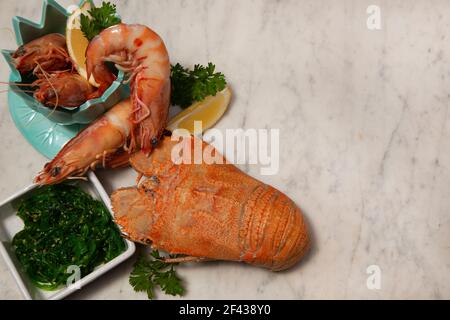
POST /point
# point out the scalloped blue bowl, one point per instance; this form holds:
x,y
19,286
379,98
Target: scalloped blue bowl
x,y
53,20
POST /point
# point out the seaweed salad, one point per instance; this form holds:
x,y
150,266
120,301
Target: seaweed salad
x,y
64,226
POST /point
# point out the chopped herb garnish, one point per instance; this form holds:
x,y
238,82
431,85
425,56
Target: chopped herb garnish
x,y
64,226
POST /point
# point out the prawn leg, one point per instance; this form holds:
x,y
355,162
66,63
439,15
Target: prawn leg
x,y
91,146
141,54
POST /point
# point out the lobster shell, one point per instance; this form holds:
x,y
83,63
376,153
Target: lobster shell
x,y
212,211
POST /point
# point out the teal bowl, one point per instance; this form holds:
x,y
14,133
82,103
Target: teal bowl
x,y
54,18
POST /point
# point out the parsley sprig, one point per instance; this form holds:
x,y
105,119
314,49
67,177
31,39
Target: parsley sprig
x,y
99,19
149,274
189,86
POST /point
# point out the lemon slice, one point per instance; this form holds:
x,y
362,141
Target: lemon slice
x,y
208,111
77,43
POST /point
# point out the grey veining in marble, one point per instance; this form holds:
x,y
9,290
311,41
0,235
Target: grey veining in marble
x,y
365,137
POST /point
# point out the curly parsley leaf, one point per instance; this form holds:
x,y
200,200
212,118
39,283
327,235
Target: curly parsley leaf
x,y
148,274
189,86
99,19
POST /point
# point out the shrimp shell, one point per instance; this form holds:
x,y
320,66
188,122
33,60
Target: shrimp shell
x,y
63,89
140,52
43,55
98,144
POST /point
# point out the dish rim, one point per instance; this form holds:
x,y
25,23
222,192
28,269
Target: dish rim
x,y
15,77
99,271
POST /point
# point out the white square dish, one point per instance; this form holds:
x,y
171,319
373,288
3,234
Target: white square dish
x,y
10,224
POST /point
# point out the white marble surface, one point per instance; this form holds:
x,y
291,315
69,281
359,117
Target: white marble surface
x,y
365,137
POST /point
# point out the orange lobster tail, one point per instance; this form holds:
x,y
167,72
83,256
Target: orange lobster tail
x,y
210,211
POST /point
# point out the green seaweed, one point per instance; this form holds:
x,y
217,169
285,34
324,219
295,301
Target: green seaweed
x,y
64,226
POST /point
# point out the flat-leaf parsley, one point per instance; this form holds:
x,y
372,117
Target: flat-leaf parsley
x,y
99,19
148,274
189,86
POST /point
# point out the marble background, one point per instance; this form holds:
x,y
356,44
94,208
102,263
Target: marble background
x,y
365,137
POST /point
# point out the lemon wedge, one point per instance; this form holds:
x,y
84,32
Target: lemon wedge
x,y
208,111
77,43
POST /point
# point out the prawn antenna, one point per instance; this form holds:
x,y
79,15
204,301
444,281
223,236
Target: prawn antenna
x,y
51,85
16,84
14,90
